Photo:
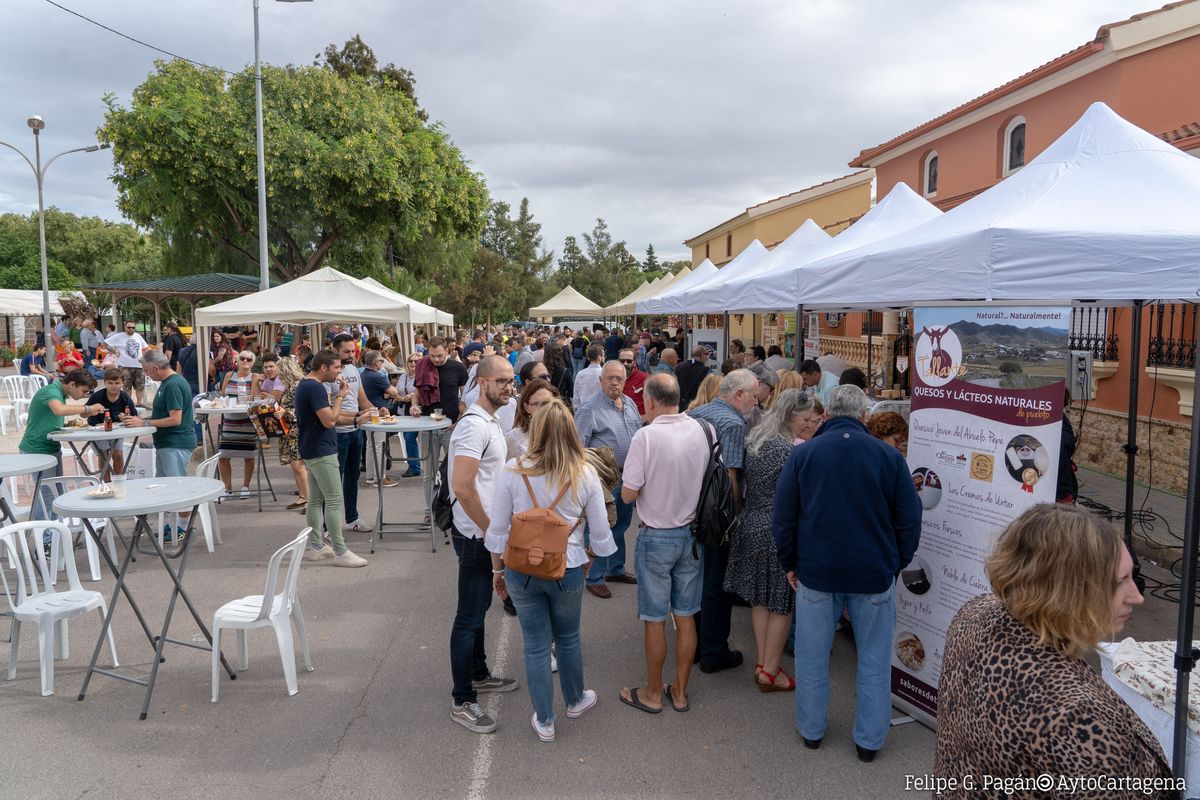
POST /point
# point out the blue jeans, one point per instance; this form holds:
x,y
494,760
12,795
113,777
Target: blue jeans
x,y
578,364
550,610
468,660
413,450
873,617
44,509
669,576
350,451
604,566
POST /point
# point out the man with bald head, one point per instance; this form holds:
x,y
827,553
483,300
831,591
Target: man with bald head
x,y
691,374
477,454
610,419
668,359
665,467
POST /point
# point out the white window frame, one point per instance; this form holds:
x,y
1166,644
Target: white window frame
x,y
932,154
1007,144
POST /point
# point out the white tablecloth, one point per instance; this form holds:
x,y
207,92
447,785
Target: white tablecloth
x,y
1151,670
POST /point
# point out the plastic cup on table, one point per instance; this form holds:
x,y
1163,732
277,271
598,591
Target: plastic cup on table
x,y
118,487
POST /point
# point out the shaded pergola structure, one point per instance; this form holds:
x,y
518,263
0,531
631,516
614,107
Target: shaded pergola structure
x,y
189,288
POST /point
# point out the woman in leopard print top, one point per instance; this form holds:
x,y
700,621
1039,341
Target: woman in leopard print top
x,y
1015,698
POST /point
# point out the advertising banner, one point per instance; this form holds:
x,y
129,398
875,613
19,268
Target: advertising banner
x,y
713,340
988,388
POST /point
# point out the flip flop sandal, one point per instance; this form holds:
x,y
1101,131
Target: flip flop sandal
x,y
633,701
671,698
297,504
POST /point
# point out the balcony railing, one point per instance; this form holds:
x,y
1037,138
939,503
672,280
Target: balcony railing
x,y
1095,329
1172,335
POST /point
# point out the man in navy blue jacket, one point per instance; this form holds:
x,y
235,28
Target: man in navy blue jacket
x,y
847,520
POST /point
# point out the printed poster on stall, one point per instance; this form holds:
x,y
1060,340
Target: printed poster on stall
x,y
984,433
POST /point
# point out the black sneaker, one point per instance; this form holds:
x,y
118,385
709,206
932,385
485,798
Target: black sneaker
x,y
495,683
472,717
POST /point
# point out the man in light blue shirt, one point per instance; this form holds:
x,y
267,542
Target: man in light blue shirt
x,y
812,376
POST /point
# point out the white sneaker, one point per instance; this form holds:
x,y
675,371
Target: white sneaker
x,y
585,704
544,732
553,663
318,555
360,526
245,491
348,559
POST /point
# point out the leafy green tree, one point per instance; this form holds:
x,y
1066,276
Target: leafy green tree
x,y
346,157
355,57
673,267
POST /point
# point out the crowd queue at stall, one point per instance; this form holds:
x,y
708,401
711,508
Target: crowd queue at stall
x,y
571,432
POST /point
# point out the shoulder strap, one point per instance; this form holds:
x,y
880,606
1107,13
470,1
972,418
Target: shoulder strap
x,y
529,488
561,494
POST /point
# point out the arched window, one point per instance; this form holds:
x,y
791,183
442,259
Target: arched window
x,y
1014,145
929,174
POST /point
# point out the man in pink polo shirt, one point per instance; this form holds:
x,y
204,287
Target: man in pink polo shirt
x,y
665,466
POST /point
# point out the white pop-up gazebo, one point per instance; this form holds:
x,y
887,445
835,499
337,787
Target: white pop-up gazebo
x,y
567,303
1107,214
707,296
656,303
775,281
324,295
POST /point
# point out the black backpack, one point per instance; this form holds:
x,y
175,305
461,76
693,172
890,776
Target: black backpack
x,y
443,504
716,516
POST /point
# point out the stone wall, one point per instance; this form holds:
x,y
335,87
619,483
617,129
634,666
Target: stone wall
x,y
1161,444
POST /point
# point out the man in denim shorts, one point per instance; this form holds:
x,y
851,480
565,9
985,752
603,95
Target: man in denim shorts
x,y
665,465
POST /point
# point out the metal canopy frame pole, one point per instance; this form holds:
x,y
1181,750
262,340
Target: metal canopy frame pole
x,y
1130,447
1185,653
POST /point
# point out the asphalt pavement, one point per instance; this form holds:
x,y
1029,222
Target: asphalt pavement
x,y
372,720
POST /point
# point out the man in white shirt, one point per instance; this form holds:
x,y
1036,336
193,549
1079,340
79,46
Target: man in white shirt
x,y
476,457
351,439
129,347
587,382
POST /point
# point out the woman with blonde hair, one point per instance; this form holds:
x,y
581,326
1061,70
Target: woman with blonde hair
x,y
1016,697
535,395
788,379
239,437
552,473
707,391
289,453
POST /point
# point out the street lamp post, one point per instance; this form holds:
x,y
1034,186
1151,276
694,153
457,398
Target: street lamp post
x,y
264,269
36,123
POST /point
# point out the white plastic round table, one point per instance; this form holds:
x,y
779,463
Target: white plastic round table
x,y
19,465
143,497
405,424
96,433
25,464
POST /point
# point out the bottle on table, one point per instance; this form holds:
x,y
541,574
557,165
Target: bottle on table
x,y
107,420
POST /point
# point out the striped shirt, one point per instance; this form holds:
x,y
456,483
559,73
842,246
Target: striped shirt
x,y
602,424
731,430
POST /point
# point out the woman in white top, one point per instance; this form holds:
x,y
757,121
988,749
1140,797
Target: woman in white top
x,y
535,395
550,610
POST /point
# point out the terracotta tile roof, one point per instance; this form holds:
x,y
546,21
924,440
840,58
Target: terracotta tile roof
x,y
1078,54
805,189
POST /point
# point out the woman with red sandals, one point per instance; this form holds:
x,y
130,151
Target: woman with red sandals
x,y
754,573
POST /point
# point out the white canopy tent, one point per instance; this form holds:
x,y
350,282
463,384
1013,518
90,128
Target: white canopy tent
x,y
628,300
567,303
708,296
775,283
421,313
26,303
324,295
656,304
1106,213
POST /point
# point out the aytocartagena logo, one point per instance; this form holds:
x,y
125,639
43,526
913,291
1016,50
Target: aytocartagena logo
x,y
939,356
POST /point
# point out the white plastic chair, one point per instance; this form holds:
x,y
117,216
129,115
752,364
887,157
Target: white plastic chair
x,y
275,609
56,487
17,394
37,382
35,600
210,526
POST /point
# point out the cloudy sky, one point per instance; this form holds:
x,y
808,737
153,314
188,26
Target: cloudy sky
x,y
665,117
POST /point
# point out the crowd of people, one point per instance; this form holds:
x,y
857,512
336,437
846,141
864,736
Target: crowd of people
x,y
579,431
